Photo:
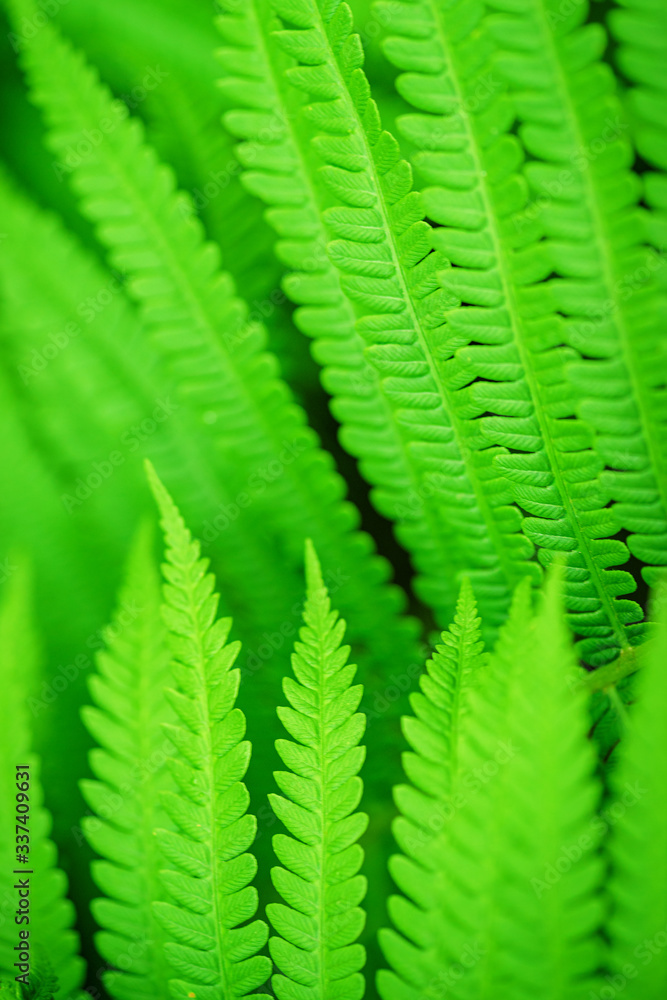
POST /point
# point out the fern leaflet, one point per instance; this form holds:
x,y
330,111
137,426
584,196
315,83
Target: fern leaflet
x,y
315,949
212,946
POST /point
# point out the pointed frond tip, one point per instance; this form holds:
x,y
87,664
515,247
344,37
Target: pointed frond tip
x,y
314,581
317,927
213,939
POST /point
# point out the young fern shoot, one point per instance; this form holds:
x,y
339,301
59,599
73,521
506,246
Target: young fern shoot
x,y
211,944
315,947
130,765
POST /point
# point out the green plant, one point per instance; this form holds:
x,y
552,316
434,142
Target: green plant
x,y
462,206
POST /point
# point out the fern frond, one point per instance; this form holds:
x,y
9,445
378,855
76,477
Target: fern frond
x,y
51,914
315,949
212,945
174,43
434,732
416,449
275,152
431,766
638,887
129,762
506,900
505,348
572,125
423,829
218,357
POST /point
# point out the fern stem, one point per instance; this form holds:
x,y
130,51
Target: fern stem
x,y
608,676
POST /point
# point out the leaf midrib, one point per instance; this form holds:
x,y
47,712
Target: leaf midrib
x,y
519,339
481,497
401,446
605,246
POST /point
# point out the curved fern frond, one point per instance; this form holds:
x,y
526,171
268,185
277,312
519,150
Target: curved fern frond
x,y
276,155
315,949
431,766
505,349
442,783
424,461
603,276
211,944
483,916
638,886
434,732
218,357
130,765
26,852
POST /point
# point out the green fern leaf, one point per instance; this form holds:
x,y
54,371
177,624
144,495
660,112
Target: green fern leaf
x,y
376,316
130,765
275,152
505,347
317,928
217,356
572,126
505,899
51,914
434,732
211,944
638,886
182,108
